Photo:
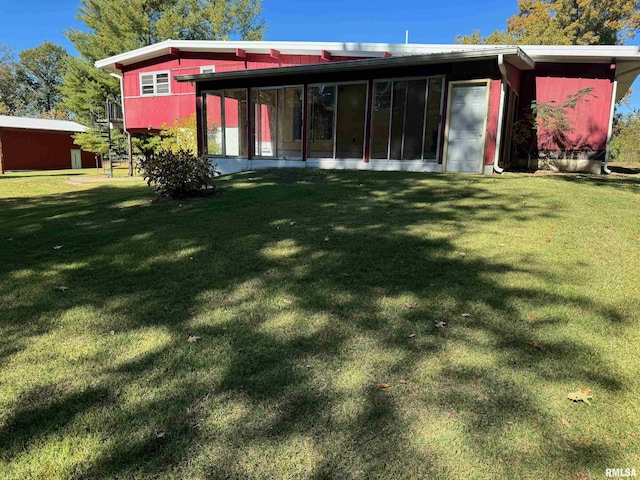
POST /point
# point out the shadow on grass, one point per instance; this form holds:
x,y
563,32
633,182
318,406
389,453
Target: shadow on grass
x,y
295,283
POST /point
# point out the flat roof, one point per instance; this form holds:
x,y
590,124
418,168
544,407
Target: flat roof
x,y
28,123
538,53
511,54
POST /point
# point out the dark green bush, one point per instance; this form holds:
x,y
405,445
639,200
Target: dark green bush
x,y
178,175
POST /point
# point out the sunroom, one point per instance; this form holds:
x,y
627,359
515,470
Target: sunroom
x,y
381,114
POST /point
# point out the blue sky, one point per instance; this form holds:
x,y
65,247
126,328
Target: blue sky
x,y
28,23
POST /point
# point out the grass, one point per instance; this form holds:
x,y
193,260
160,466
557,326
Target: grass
x,y
298,324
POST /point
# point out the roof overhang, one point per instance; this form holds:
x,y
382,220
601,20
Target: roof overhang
x,y
513,55
322,49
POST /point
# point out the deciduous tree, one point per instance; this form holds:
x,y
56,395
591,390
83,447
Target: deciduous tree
x,y
566,22
39,76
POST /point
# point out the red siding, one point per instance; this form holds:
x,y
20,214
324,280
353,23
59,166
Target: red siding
x,y
590,119
24,149
495,86
152,112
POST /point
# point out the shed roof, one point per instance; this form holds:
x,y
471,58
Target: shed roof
x,y
28,123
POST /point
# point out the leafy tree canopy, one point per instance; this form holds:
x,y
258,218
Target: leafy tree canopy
x,y
39,74
566,22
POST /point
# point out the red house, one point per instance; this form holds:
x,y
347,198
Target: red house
x,y
376,106
40,144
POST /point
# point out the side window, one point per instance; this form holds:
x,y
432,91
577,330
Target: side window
x,y
155,83
208,69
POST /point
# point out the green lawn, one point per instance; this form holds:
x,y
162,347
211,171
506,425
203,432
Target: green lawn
x,y
296,326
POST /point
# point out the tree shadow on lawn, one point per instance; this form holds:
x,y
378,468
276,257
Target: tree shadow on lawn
x,y
297,331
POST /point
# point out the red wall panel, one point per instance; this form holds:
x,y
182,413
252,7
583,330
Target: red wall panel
x,y
151,112
492,121
39,150
589,120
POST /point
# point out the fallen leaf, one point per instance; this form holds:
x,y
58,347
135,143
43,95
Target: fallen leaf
x,y
330,225
402,382
465,315
451,415
61,288
412,335
326,239
501,245
407,305
474,378
553,229
240,351
112,332
565,422
440,324
548,240
160,434
462,254
533,318
582,395
58,247
384,385
193,339
534,344
608,225
293,224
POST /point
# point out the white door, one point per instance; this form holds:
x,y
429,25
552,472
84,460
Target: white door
x,y
76,158
467,119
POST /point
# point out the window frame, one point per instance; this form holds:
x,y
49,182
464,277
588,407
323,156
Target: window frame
x,y
154,84
223,147
207,67
392,80
335,116
254,121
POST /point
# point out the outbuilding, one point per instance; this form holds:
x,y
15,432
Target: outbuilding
x,y
41,144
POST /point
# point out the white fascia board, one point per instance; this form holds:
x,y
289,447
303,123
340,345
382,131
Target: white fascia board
x,y
537,53
350,49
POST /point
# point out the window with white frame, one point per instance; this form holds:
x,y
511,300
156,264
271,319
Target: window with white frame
x,y
208,69
155,83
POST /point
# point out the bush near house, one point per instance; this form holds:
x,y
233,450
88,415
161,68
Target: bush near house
x,y
177,174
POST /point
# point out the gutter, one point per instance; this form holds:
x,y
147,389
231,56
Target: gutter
x,y
124,122
496,157
605,166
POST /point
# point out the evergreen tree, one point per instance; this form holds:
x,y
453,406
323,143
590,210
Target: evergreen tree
x,y
116,26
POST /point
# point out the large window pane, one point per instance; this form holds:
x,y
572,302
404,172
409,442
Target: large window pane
x,y
397,119
235,123
290,123
226,122
414,118
321,111
277,122
434,98
213,123
352,109
265,122
381,119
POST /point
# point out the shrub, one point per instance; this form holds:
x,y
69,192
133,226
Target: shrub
x,y
178,174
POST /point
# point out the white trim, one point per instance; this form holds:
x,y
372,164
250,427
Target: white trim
x,y
154,84
234,165
204,68
610,131
161,95
597,53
